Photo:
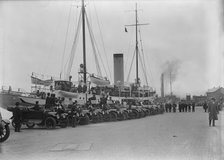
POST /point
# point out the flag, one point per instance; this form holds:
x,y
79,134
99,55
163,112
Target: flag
x,y
125,29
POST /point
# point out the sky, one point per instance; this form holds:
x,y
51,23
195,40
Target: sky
x,y
37,36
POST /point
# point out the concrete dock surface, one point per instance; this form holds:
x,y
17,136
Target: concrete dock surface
x,y
170,136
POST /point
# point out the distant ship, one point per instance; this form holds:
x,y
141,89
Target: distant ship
x,y
9,97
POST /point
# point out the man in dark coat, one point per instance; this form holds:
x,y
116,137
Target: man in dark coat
x,y
36,106
193,107
174,107
17,117
170,107
74,113
47,103
52,101
205,106
103,100
166,107
212,110
180,106
185,106
91,99
189,107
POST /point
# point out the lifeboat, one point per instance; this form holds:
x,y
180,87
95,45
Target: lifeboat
x,y
100,81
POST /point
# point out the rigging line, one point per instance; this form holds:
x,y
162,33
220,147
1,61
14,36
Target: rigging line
x,y
143,61
144,67
89,14
129,46
76,22
150,75
142,47
131,66
144,71
98,51
150,71
97,47
66,38
102,41
74,46
94,50
52,45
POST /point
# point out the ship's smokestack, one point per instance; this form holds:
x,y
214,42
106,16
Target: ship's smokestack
x,y
162,85
118,69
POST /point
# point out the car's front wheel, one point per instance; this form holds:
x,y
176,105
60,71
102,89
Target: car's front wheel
x,y
50,123
64,123
30,124
112,116
13,123
4,133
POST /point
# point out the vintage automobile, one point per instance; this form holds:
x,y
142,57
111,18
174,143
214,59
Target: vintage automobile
x,y
4,129
134,108
100,112
119,109
80,114
42,117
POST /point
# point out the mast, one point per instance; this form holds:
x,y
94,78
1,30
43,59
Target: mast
x,y
136,47
84,42
136,43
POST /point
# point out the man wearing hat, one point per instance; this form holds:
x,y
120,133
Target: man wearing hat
x,y
17,117
212,110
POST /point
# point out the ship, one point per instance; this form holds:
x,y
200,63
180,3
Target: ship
x,y
97,84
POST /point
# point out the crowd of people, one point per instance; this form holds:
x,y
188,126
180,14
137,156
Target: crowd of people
x,y
211,106
181,106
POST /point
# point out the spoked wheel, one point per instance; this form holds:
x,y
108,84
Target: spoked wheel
x,y
63,123
69,119
84,120
113,116
133,114
126,115
95,118
106,117
147,112
30,124
141,114
121,116
74,122
13,123
4,133
100,116
50,123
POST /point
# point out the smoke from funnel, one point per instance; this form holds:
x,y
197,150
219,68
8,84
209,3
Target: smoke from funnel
x,y
171,71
